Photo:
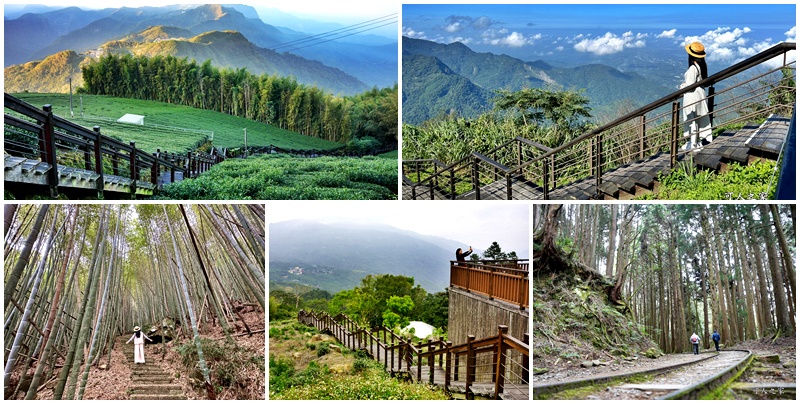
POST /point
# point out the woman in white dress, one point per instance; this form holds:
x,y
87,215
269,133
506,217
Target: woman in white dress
x,y
695,109
138,338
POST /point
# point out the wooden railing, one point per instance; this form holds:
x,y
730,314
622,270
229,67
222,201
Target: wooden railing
x,y
502,280
43,134
509,362
749,93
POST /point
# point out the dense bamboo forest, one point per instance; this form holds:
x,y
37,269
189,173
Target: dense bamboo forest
x,y
279,101
683,269
79,278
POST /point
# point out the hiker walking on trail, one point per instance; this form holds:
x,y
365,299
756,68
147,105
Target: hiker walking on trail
x,y
461,257
695,108
138,344
695,340
715,337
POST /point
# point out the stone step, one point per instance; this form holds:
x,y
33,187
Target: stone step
x,y
152,379
158,397
156,389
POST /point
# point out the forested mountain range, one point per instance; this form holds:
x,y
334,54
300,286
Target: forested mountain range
x,y
470,79
35,36
336,257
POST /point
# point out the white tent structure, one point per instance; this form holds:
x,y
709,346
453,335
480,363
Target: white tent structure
x,y
132,118
421,330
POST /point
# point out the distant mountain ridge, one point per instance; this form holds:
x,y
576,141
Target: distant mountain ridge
x,y
605,86
34,37
228,49
361,250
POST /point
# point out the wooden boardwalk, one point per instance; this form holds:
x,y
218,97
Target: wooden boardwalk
x,y
395,355
744,146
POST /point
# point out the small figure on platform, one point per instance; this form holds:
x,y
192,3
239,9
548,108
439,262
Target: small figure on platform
x,y
695,340
461,256
138,338
715,337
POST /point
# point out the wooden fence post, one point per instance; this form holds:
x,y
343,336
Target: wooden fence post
x,y
470,378
500,362
98,161
447,364
525,360
47,150
134,170
155,170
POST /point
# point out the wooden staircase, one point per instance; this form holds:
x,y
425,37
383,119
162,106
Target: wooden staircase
x,y
150,382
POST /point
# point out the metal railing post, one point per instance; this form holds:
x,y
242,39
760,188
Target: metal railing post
x,y
642,131
673,149
599,163
476,181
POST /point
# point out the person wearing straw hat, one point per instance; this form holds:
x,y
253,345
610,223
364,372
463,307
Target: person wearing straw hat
x,y
695,109
138,338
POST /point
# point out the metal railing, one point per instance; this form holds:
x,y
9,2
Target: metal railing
x,y
500,360
38,133
502,280
748,92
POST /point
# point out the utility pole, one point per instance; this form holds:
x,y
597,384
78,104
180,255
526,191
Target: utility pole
x,y
245,142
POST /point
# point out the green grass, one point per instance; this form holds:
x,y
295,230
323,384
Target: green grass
x,y
228,129
284,177
752,182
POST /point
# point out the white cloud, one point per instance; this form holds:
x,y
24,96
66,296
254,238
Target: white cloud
x,y
609,43
513,40
791,35
454,27
667,33
730,45
411,33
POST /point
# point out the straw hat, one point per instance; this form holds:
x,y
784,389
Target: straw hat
x,y
696,49
136,328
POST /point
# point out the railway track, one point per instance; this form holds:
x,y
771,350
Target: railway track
x,y
693,380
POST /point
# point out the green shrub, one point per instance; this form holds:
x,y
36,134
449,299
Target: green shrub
x,y
323,349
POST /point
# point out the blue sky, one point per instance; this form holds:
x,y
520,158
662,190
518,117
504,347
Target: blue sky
x,y
730,32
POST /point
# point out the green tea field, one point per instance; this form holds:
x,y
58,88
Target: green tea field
x,y
171,127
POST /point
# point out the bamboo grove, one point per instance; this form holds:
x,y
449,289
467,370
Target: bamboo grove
x,y
684,269
279,101
78,276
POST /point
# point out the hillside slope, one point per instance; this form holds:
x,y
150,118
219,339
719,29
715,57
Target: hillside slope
x,y
228,49
574,321
605,86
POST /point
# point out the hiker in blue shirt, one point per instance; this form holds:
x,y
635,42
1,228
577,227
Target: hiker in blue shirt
x,y
715,336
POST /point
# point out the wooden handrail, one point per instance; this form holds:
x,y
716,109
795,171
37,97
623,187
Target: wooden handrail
x,y
493,281
94,145
449,354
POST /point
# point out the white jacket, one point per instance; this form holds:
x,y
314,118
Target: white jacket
x,y
694,101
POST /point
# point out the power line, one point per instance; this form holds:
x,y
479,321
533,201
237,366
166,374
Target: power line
x,y
385,20
343,36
